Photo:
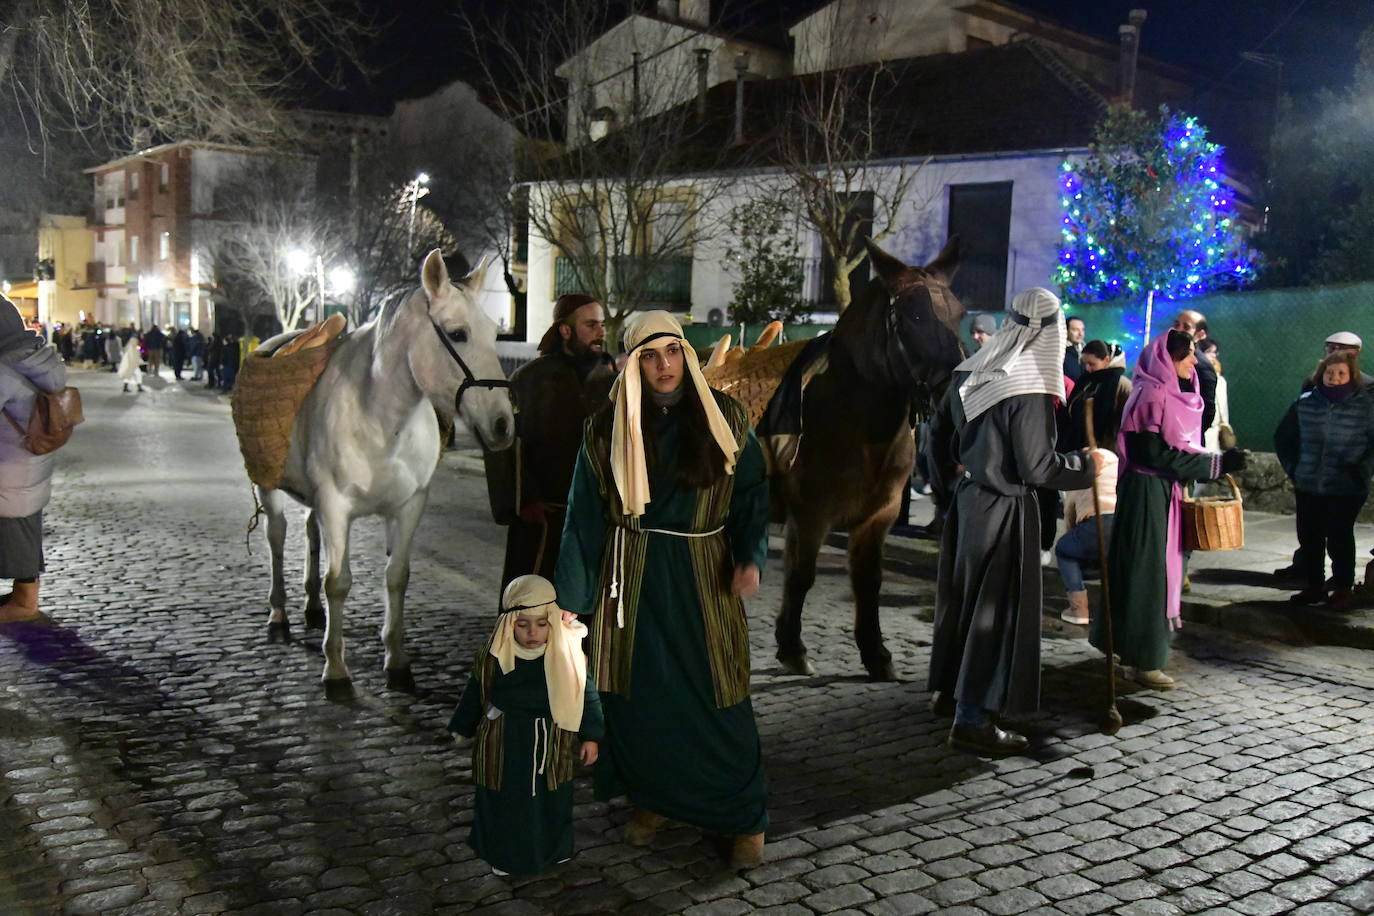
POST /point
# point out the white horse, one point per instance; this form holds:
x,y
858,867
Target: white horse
x,y
366,442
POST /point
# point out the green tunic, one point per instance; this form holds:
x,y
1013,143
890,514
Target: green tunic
x,y
670,745
525,825
1139,549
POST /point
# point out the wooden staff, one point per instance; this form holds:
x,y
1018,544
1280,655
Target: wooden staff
x,y
1111,719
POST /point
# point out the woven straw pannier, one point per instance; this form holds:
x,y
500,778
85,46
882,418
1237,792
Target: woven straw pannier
x,y
1214,522
754,376
267,395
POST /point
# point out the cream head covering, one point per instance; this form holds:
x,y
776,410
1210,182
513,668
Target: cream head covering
x,y
565,664
1026,356
627,441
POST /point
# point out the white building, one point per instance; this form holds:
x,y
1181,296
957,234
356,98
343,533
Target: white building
x,y
983,101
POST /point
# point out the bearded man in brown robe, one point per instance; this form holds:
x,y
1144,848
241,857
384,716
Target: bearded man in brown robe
x,y
553,394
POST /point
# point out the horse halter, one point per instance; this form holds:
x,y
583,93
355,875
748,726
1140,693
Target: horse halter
x,y
469,380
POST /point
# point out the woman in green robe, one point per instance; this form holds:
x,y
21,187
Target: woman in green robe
x,y
1160,445
666,532
533,711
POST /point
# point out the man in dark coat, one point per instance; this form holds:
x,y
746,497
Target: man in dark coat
x,y
1077,333
997,421
554,394
1195,323
154,342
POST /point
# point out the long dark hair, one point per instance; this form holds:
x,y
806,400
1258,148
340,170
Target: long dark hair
x,y
700,462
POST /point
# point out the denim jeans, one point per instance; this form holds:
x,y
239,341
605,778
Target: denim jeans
x,y
1078,548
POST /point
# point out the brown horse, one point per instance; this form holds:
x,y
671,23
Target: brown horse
x,y
890,356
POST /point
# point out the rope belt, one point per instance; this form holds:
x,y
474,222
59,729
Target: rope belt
x,y
541,731
618,561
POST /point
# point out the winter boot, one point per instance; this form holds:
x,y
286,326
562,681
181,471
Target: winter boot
x,y
746,851
22,603
1077,611
641,827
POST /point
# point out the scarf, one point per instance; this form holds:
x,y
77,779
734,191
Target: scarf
x,y
1158,405
1337,393
1025,357
628,466
565,664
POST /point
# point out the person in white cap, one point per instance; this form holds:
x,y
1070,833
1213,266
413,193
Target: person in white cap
x,y
667,530
1341,341
997,421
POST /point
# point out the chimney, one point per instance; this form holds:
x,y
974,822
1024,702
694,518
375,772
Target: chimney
x,y
703,64
1130,53
741,70
695,12
634,98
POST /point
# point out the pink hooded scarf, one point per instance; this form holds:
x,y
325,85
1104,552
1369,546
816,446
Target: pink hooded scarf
x,y
1156,405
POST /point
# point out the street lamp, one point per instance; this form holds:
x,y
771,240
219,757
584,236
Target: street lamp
x,y
417,190
149,287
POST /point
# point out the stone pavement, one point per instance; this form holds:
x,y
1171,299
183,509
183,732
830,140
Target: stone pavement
x,y
158,755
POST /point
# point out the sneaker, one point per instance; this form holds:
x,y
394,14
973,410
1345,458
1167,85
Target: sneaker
x,y
1068,616
1310,596
1340,599
1047,559
499,873
1289,573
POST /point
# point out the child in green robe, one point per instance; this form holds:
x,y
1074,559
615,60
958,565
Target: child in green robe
x,y
533,712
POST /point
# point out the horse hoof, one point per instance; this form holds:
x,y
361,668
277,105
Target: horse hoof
x,y
400,679
796,663
278,631
881,672
338,690
314,618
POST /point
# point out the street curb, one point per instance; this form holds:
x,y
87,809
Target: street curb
x,y
1274,620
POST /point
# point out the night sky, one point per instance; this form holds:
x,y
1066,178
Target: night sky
x,y
421,44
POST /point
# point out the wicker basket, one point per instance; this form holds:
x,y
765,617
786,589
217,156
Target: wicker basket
x,y
1214,522
754,376
267,394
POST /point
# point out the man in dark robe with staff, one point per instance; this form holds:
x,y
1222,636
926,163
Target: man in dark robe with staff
x,y
553,394
997,425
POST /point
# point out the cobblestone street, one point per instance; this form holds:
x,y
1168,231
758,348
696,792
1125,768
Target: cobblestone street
x,y
159,755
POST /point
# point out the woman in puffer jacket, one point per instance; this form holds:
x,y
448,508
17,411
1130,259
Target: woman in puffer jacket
x,y
27,366
1325,444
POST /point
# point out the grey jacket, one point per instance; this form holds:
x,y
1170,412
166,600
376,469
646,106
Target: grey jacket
x,y
25,478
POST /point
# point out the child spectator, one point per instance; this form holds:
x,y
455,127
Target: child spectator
x,y
1078,546
527,702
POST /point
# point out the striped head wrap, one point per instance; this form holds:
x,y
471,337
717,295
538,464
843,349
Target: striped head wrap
x,y
1026,356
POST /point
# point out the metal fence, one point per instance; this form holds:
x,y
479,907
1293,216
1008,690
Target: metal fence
x,y
1269,341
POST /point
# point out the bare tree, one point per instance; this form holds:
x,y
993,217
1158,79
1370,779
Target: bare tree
x,y
174,69
628,198
272,232
828,150
287,245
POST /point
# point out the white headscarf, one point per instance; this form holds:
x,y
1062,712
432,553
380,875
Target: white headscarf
x,y
1025,356
565,664
628,466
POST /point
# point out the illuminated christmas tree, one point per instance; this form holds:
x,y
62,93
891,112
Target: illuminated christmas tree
x,y
1149,210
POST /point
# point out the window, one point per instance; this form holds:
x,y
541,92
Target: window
x,y
164,246
114,253
981,216
133,251
133,185
163,176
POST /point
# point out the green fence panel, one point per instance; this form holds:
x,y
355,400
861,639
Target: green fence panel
x,y
1269,340
703,336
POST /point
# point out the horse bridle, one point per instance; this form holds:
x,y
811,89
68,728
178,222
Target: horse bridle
x,y
469,379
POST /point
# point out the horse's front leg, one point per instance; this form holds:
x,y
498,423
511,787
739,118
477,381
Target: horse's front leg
x,y
334,526
866,578
400,532
803,543
314,607
274,506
